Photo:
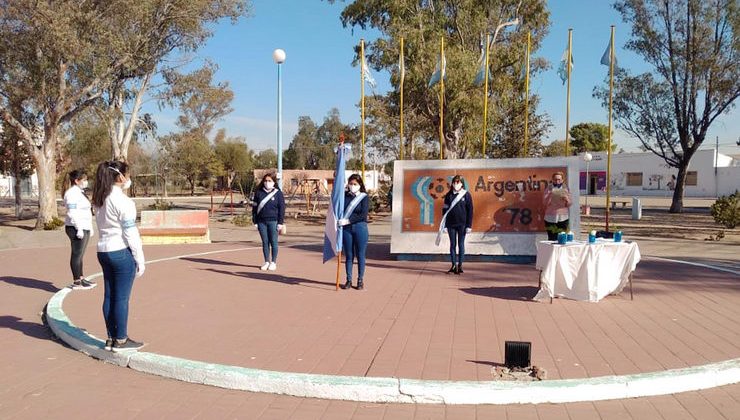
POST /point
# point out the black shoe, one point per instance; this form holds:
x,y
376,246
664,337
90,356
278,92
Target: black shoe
x,y
459,269
109,344
126,345
360,286
347,285
82,284
452,270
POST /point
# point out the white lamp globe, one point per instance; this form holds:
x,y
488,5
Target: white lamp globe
x,y
278,56
587,157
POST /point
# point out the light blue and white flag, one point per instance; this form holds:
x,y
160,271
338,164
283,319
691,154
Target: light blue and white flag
x,y
480,77
332,232
562,70
439,71
366,76
606,57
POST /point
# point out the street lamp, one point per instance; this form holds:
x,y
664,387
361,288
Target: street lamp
x,y
587,158
279,57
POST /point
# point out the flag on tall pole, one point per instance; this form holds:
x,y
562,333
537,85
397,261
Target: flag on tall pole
x,y
482,79
526,94
567,100
363,78
332,232
401,77
612,62
439,77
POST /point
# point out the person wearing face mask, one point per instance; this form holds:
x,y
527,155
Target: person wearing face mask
x,y
78,226
354,229
268,215
557,200
120,250
457,221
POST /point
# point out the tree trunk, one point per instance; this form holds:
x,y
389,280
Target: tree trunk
x,y
192,186
677,204
45,159
18,197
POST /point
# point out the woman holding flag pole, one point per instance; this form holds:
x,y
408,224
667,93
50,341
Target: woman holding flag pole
x,y
354,224
268,215
457,221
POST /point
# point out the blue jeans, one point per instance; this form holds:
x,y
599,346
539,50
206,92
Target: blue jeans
x,y
269,235
119,271
457,240
354,243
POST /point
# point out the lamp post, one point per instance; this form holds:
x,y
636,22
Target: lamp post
x,y
587,158
279,57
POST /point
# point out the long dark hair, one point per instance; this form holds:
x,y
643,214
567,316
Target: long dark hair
x,y
261,185
359,181
455,179
75,175
105,176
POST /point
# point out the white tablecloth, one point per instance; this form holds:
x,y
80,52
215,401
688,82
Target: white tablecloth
x,y
583,271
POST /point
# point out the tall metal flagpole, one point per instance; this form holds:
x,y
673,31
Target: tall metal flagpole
x,y
339,256
526,97
402,75
567,106
485,98
441,96
362,102
609,142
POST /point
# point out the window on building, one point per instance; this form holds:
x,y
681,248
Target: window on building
x,y
691,178
634,179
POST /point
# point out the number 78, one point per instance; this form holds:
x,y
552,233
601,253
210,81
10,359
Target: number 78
x,y
525,215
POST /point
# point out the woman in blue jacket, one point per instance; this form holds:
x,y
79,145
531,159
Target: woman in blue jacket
x,y
458,221
355,236
268,215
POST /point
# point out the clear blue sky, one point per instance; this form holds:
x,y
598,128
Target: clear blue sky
x,y
318,74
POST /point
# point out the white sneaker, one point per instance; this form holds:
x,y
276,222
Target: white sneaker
x,y
265,266
272,266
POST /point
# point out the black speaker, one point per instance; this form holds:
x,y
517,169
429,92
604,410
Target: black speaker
x,y
517,354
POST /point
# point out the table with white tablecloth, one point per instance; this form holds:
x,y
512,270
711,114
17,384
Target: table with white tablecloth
x,y
583,271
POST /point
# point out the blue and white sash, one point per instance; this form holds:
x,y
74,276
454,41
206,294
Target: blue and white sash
x,y
266,199
460,196
353,204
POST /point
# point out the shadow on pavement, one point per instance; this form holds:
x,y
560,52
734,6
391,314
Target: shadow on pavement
x,y
487,363
375,251
217,262
521,293
31,329
30,283
277,278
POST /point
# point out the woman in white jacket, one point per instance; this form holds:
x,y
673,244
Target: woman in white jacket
x,y
78,226
119,250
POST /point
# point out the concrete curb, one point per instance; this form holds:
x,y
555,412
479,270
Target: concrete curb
x,y
391,390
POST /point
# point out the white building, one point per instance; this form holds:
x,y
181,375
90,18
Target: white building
x,y
29,186
710,174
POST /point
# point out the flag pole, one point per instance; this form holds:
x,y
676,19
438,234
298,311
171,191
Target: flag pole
x,y
526,97
441,96
609,139
339,256
567,106
402,70
362,102
485,99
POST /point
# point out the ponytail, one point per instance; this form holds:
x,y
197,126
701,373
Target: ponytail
x,y
106,176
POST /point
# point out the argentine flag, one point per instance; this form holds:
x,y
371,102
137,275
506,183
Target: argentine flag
x,y
333,233
606,57
366,76
562,70
439,71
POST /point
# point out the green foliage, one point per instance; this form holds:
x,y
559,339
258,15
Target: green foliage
x,y
54,224
313,146
234,156
161,204
460,23
554,149
266,159
589,137
726,210
242,220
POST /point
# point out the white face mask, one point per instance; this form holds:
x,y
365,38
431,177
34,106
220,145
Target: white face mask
x,y
83,184
269,185
457,186
354,188
127,184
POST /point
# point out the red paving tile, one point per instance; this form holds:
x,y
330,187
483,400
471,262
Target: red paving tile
x,y
413,321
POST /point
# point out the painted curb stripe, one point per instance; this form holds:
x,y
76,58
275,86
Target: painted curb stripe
x,y
393,390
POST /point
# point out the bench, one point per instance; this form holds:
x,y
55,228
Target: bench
x,y
160,227
623,201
